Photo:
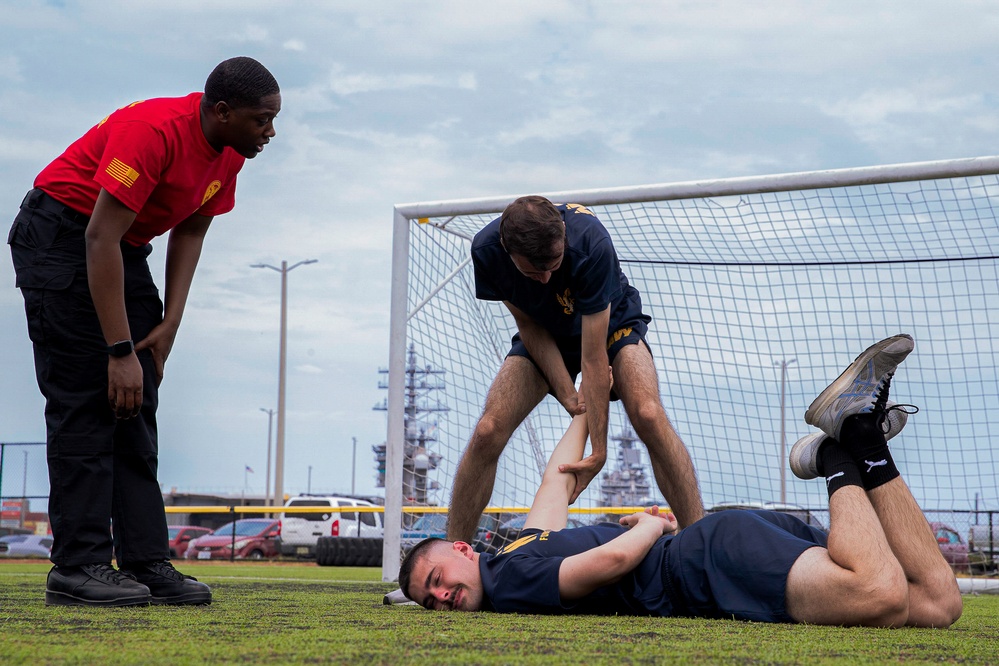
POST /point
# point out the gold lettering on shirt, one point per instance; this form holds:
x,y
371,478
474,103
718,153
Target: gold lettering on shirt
x,y
579,208
210,192
121,172
510,547
127,106
567,302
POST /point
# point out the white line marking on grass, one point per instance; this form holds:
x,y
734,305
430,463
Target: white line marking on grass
x,y
296,580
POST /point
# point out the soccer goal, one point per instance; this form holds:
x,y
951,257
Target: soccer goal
x,y
761,290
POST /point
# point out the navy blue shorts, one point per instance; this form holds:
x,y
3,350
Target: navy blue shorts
x,y
734,564
571,347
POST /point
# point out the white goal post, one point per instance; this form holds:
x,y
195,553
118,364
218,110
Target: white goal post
x,y
741,275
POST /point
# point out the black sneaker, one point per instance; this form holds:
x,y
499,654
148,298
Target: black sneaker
x,y
94,585
168,586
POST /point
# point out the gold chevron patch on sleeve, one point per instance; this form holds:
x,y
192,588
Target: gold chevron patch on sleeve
x,y
121,172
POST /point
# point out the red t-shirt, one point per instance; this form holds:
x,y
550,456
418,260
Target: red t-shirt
x,y
153,157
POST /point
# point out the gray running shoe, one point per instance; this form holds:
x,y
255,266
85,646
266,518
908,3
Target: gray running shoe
x,y
862,388
803,459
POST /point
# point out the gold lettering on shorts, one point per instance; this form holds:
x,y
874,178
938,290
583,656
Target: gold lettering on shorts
x,y
617,335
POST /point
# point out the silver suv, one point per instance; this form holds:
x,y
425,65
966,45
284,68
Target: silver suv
x,y
300,531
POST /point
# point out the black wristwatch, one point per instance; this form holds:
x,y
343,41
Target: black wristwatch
x,y
121,348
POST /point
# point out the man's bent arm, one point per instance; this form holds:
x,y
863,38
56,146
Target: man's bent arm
x,y
596,383
581,574
183,253
541,346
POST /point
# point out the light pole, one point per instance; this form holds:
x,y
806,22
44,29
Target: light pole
x,y
268,501
24,489
353,467
279,452
783,437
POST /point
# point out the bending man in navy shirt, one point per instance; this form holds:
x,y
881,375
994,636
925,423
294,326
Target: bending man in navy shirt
x,y
879,566
556,270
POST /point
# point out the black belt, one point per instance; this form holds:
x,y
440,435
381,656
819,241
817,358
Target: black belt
x,y
42,201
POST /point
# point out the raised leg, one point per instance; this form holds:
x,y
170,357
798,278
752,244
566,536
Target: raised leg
x,y
856,579
934,598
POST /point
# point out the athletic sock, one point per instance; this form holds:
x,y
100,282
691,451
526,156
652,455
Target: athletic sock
x,y
838,467
863,438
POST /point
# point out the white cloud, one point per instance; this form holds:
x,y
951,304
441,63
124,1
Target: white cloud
x,y
251,33
343,82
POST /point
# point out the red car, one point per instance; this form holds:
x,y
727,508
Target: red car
x,y
250,538
180,536
956,552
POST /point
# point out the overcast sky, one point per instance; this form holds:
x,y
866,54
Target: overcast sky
x,y
393,102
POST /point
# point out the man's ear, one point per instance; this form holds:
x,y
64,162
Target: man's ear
x,y
221,110
465,549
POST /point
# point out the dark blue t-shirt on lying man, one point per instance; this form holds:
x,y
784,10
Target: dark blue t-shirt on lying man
x,y
731,564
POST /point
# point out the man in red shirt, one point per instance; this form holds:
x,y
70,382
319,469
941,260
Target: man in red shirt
x,y
101,335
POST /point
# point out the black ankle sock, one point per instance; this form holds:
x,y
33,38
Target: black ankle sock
x,y
838,467
864,440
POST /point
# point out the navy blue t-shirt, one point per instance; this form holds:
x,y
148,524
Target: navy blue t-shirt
x,y
730,564
589,279
523,576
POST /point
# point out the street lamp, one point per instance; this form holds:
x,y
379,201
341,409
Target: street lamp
x,y
279,452
268,501
783,437
353,467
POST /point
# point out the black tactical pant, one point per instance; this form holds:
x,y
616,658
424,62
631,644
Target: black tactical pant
x,y
102,470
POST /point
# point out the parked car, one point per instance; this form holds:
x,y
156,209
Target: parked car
x,y
255,539
26,545
509,532
6,531
984,539
799,512
180,536
301,531
435,525
956,551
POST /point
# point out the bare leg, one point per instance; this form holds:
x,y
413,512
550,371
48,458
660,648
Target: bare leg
x,y
636,382
856,580
516,390
934,598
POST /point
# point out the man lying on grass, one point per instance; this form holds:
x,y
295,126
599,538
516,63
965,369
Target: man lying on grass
x,y
879,565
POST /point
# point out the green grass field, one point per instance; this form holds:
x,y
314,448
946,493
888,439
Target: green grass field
x,y
273,613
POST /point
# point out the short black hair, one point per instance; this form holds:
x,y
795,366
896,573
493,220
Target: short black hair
x,y
408,562
239,82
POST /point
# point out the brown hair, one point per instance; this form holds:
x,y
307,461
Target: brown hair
x,y
408,562
532,227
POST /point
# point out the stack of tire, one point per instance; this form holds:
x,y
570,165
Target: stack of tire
x,y
349,551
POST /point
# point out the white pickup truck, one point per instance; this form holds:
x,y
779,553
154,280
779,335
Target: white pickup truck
x,y
300,531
